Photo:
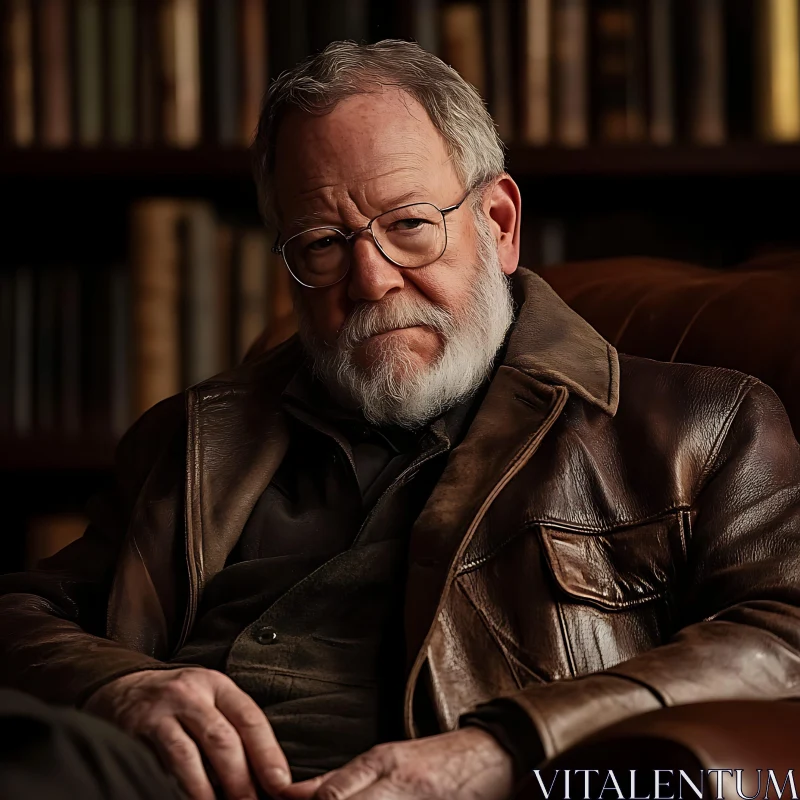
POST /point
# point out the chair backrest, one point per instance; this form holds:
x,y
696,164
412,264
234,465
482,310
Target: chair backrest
x,y
747,318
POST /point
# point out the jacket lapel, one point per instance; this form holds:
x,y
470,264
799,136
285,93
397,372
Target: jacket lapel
x,y
237,438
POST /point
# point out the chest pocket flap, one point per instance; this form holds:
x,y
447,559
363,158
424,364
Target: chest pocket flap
x,y
617,569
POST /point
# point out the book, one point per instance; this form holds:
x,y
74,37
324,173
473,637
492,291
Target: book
x,y
425,24
570,66
6,349
121,87
252,301
226,49
536,73
55,84
23,352
47,366
289,39
119,350
707,123
68,387
48,533
148,72
618,113
199,281
18,73
179,29
254,66
661,72
462,42
155,259
778,70
500,99
225,293
89,72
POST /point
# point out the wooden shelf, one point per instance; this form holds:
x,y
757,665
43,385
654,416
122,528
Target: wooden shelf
x,y
35,453
596,161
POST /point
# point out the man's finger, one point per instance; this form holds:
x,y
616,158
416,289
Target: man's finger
x,y
347,781
267,760
305,789
223,748
180,756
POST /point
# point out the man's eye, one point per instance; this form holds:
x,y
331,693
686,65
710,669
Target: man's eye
x,y
410,224
320,244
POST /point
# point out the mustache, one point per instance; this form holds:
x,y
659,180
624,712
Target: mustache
x,y
370,319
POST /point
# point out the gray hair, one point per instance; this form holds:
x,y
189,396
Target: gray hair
x,y
344,69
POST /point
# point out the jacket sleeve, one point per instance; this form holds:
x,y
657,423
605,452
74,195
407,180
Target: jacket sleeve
x,y
740,598
53,618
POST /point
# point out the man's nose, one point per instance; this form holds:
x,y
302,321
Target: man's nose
x,y
372,276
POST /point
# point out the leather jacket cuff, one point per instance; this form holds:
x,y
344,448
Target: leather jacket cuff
x,y
514,731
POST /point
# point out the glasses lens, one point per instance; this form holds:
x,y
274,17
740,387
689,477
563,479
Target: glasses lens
x,y
412,236
318,257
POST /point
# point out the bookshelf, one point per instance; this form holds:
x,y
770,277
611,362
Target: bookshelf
x,y
524,162
633,127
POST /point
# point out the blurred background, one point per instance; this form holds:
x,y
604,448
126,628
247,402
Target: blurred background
x,y
133,259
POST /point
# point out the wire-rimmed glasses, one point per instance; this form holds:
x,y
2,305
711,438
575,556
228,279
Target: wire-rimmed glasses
x,y
409,236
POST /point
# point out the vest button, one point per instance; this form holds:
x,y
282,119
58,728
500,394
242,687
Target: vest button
x,y
266,635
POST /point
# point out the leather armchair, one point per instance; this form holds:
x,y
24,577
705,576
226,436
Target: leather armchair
x,y
746,318
698,739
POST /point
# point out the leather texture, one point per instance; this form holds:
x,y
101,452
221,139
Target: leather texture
x,y
614,535
700,738
744,318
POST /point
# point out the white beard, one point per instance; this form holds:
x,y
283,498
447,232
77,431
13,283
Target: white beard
x,y
392,391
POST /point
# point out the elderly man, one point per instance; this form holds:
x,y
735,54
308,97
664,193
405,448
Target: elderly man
x,y
445,532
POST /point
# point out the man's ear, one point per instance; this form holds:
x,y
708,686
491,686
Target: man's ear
x,y
502,205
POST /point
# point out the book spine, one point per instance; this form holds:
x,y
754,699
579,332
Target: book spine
x,y
119,351
536,95
224,295
570,33
69,342
6,350
22,403
155,288
179,30
202,321
253,34
462,42
778,82
425,24
89,65
122,69
47,366
227,73
662,72
618,96
54,58
502,87
148,77
707,100
252,289
19,77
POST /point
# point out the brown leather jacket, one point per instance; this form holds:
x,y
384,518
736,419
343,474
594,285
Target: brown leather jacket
x,y
613,535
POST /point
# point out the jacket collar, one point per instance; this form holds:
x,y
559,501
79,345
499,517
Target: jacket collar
x,y
554,344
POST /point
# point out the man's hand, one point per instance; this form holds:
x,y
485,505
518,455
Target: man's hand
x,y
185,712
467,764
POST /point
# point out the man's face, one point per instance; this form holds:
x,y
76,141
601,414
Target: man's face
x,y
372,153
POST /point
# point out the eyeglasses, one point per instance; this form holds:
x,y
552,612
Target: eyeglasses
x,y
409,236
